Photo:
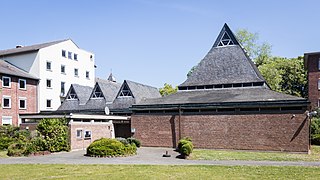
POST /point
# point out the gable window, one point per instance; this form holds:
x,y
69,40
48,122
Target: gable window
x,y
72,95
76,72
79,133
49,83
62,88
69,55
6,81
48,66
125,91
22,84
22,103
6,102
63,53
97,93
49,105
75,56
87,74
6,120
63,69
225,40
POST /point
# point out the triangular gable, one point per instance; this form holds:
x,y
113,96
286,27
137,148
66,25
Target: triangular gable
x,y
97,92
72,95
125,91
225,37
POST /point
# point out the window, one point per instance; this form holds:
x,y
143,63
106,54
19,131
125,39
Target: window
x,y
63,69
48,65
97,93
87,74
319,64
225,40
49,103
6,81
125,92
63,53
22,103
49,83
69,55
87,134
62,88
76,72
91,57
6,102
318,84
79,133
22,84
72,95
75,56
6,120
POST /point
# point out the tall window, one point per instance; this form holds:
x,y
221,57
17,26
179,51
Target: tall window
x,y
6,102
63,53
6,120
76,72
63,69
75,56
69,55
318,84
79,133
87,74
62,88
49,85
49,105
6,81
22,84
22,103
48,65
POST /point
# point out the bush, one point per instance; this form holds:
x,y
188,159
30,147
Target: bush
x,y
135,141
110,147
7,136
122,140
315,131
185,146
17,149
5,142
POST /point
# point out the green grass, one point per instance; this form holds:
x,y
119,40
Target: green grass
x,y
36,171
255,156
3,154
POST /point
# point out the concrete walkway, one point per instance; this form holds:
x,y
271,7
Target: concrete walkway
x,y
146,155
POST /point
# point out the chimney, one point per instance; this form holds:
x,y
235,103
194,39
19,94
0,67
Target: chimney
x,y
19,46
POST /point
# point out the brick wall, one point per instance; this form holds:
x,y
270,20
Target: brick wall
x,y
313,77
274,132
98,131
30,94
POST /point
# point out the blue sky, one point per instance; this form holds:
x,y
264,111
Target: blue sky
x,y
158,41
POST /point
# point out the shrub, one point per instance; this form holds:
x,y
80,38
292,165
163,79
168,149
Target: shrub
x,y
122,140
7,136
135,141
5,142
315,131
185,146
110,147
17,149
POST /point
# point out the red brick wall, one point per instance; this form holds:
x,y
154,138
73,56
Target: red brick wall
x,y
30,94
274,132
313,77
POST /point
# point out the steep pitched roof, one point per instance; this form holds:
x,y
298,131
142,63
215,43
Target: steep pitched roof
x,y
31,48
225,63
108,88
112,78
141,91
9,69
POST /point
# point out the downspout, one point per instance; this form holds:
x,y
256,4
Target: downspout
x,y
179,122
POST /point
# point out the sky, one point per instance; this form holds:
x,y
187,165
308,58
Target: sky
x,y
158,41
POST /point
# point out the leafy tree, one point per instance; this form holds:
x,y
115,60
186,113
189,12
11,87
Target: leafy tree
x,y
167,89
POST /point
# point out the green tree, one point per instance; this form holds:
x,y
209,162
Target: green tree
x,y
167,89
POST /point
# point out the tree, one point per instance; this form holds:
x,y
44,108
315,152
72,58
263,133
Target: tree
x,y
167,89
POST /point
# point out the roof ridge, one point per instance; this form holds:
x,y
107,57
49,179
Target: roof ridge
x,y
141,84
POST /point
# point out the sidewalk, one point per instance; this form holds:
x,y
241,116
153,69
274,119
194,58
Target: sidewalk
x,y
146,155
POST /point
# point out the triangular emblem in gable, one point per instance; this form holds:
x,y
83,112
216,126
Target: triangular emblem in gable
x,y
72,94
125,91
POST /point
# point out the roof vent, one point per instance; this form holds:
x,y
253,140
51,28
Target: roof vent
x,y
19,46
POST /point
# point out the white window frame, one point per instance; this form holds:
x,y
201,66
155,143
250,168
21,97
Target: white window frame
x,y
85,132
6,117
6,97
64,66
88,73
49,87
65,53
4,77
25,84
75,56
69,55
318,84
25,102
74,72
81,134
50,103
64,88
50,66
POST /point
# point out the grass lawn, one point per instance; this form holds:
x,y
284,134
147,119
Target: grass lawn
x,y
3,154
35,171
255,156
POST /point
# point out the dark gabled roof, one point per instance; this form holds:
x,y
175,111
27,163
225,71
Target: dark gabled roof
x,y
10,69
108,88
32,48
112,78
224,65
230,95
141,91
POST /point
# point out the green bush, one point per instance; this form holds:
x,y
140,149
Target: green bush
x,y
110,147
17,149
135,141
7,136
5,142
185,146
315,131
122,140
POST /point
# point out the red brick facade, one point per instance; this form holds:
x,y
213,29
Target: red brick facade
x,y
272,132
312,65
15,93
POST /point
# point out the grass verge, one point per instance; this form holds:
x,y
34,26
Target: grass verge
x,y
255,156
50,171
3,154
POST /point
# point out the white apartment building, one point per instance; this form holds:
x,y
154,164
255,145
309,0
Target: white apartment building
x,y
57,64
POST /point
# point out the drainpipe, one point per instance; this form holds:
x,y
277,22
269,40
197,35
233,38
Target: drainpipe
x,y
179,122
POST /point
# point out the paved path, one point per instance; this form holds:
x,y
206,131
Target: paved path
x,y
146,155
